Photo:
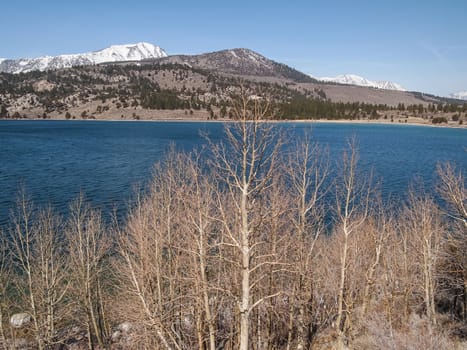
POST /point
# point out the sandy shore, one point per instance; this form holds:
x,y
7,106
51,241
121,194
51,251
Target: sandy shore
x,y
199,118
382,122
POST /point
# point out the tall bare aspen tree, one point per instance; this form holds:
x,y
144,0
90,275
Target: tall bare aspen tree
x,y
247,164
352,209
379,228
150,249
424,230
201,236
89,247
307,174
454,265
38,250
6,275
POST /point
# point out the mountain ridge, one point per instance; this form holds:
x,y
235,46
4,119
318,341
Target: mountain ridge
x,y
240,61
237,61
353,79
113,53
461,95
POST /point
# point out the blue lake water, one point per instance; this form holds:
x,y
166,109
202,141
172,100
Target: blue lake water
x,y
56,160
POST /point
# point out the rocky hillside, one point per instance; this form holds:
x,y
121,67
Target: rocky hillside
x,y
241,62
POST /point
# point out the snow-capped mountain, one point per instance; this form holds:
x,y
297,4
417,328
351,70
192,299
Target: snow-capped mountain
x,y
352,79
462,95
114,53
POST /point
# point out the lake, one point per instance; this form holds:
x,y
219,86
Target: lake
x,y
56,160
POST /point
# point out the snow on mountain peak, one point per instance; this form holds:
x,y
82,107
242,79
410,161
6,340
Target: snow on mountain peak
x,y
389,85
129,52
461,95
114,53
352,79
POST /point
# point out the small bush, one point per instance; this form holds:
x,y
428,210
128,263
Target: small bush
x,y
439,120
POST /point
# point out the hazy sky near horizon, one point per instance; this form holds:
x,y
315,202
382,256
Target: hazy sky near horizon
x,y
421,45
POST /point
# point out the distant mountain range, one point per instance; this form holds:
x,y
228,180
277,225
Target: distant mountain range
x,y
207,76
235,61
256,64
114,53
352,79
462,95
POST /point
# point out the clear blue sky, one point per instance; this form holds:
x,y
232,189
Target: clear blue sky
x,y
420,44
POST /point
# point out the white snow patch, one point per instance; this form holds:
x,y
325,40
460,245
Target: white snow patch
x,y
352,79
461,95
253,58
129,52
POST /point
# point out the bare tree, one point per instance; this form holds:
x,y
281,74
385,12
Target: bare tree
x,y
352,210
379,230
274,274
307,175
5,282
89,248
41,259
423,227
202,238
454,259
247,164
452,189
152,260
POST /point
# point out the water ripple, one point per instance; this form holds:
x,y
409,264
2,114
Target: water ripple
x,y
56,160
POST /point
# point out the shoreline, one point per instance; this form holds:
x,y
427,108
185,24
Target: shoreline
x,y
380,122
199,120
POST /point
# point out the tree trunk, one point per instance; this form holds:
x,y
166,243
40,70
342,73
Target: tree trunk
x,y
2,330
340,297
370,282
245,251
89,332
204,286
465,301
199,331
301,328
290,325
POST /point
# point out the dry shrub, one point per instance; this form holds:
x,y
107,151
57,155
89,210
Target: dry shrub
x,y
378,333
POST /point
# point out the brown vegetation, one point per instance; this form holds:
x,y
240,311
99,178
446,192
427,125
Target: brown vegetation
x,y
237,252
